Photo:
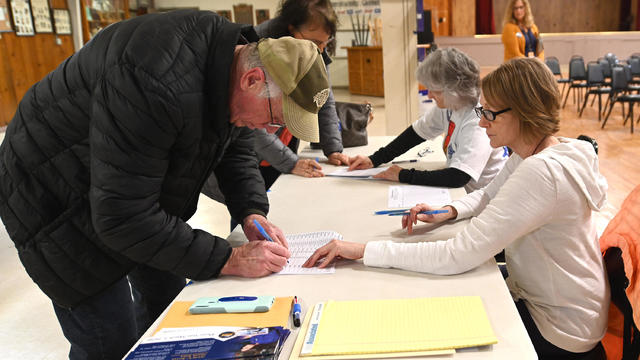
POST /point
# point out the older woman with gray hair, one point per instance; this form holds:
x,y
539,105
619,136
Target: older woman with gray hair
x,y
453,80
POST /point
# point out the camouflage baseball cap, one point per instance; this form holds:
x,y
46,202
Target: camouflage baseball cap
x,y
296,66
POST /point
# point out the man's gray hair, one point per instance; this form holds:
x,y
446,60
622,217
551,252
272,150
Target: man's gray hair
x,y
251,59
454,73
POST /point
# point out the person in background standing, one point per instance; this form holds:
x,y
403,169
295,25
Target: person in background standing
x,y
520,35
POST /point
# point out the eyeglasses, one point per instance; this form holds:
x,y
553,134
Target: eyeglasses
x,y
272,123
320,44
488,114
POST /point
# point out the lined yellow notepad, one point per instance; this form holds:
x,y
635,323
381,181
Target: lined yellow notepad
x,y
399,325
297,347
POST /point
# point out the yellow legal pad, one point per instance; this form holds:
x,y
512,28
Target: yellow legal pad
x,y
179,316
399,325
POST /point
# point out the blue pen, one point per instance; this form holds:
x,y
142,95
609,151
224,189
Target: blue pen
x,y
262,231
387,212
428,212
296,312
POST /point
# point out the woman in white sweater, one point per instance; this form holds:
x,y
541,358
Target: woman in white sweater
x,y
538,208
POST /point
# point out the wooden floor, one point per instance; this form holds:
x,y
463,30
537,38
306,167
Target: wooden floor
x,y
617,147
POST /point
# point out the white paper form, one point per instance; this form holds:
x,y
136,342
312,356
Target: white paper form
x,y
407,196
302,247
358,174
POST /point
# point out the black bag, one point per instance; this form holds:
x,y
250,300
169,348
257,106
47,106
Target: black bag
x,y
354,119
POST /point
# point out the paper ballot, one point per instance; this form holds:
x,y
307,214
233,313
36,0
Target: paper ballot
x,y
302,247
407,196
357,174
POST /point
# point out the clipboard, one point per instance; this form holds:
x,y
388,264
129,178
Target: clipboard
x,y
178,316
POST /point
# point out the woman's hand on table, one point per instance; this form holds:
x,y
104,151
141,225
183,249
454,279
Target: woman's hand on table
x,y
360,162
408,221
335,249
392,173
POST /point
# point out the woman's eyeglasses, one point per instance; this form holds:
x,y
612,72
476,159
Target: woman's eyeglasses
x,y
272,123
488,114
320,44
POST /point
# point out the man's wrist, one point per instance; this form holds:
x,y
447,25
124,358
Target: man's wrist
x,y
229,267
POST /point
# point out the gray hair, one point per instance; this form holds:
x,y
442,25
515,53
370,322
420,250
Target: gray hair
x,y
251,59
454,73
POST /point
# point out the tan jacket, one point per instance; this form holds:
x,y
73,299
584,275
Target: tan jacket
x,y
513,40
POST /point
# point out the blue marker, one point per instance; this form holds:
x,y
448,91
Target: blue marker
x,y
296,312
262,231
428,212
387,212
238,298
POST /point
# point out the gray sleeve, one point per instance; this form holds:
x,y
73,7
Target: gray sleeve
x,y
330,137
269,147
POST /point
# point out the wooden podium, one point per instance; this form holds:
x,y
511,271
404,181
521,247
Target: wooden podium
x,y
366,75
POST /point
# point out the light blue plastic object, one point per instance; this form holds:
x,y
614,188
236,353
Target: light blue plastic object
x,y
232,304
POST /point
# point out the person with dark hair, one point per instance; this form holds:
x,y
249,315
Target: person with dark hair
x,y
313,20
105,157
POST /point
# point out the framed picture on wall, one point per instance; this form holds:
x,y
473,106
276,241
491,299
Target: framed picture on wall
x,y
262,15
243,13
41,16
5,18
225,14
21,15
62,21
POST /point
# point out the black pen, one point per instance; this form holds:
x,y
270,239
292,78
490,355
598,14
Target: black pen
x,y
296,312
404,161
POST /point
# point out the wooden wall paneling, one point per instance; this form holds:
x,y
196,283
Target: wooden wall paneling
x,y
17,64
463,17
8,100
568,15
24,60
498,13
440,16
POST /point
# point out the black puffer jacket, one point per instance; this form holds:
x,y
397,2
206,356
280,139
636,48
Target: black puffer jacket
x,y
104,160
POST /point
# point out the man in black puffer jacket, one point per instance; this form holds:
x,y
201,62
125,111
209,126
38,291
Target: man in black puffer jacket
x,y
105,158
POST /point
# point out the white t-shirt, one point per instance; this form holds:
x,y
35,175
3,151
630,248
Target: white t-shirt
x,y
540,211
468,148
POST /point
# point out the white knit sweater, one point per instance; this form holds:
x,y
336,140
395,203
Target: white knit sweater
x,y
539,211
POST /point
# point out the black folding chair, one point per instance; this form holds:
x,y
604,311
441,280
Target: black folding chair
x,y
619,93
578,80
611,58
606,70
634,67
595,85
554,65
